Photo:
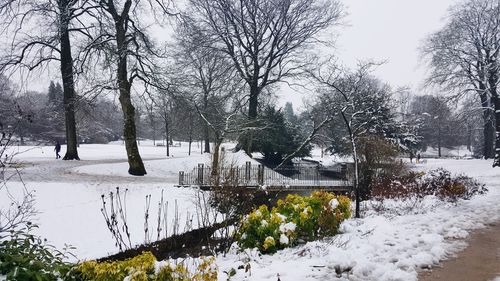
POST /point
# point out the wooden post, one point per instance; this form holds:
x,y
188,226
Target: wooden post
x,y
317,176
181,178
200,174
260,174
248,166
237,176
343,171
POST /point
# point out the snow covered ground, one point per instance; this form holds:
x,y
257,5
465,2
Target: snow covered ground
x,y
68,193
383,246
376,247
456,152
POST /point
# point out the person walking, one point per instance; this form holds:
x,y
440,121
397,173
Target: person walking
x,y
418,158
57,149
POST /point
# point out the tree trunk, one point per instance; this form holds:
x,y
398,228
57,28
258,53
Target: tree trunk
x,y
206,138
167,135
496,162
190,132
206,130
190,142
493,81
68,82
253,103
215,157
439,140
489,135
356,177
215,162
154,132
136,166
488,129
356,168
469,138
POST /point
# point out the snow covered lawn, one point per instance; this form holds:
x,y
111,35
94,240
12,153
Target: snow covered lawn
x,y
376,247
68,193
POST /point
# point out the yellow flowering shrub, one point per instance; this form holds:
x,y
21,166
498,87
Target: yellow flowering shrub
x,y
137,268
305,217
142,268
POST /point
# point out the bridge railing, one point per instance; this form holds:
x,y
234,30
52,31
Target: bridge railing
x,y
260,176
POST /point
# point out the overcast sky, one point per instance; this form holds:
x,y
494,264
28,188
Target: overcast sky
x,y
389,30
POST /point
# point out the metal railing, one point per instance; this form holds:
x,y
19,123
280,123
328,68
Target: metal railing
x,y
296,177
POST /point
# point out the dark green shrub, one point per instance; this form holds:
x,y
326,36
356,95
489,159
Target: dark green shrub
x,y
24,256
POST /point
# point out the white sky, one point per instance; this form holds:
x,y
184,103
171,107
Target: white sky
x,y
390,30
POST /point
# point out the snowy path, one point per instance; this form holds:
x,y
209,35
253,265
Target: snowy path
x,y
68,171
479,261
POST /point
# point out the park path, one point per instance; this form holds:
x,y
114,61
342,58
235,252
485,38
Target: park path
x,y
480,261
61,171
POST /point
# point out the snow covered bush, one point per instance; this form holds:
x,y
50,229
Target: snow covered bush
x,y
144,267
438,182
296,217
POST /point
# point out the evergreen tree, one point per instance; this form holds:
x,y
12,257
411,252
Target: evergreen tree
x,y
55,96
279,139
289,114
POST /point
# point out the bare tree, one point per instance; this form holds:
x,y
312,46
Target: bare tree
x,y
463,57
363,104
123,47
209,76
163,102
266,40
20,211
437,121
40,34
151,114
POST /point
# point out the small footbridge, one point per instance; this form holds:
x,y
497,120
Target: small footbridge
x,y
293,178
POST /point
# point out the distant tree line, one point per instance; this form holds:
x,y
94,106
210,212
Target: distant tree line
x,y
46,123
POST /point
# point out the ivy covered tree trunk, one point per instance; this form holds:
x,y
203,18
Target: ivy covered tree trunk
x,y
68,82
136,166
493,78
496,162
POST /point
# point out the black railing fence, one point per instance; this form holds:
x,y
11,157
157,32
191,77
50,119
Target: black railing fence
x,y
248,175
